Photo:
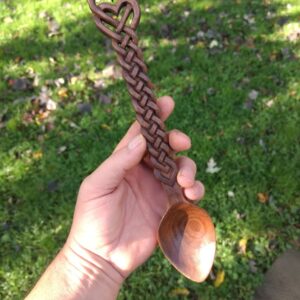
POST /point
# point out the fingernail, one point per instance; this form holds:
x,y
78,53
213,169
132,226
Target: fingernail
x,y
184,173
136,142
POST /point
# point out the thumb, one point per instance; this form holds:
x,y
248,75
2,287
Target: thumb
x,y
110,173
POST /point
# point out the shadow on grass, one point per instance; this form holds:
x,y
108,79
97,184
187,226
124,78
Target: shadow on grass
x,y
255,145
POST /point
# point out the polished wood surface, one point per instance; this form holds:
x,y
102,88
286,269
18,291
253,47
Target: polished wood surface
x,y
186,236
186,233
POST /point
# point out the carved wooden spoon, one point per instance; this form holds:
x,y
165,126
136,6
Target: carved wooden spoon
x,y
186,233
186,236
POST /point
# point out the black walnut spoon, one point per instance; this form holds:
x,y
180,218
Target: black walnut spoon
x,y
186,234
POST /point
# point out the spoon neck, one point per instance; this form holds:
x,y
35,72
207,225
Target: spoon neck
x,y
175,194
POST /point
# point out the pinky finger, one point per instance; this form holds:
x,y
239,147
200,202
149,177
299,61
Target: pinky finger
x,y
195,192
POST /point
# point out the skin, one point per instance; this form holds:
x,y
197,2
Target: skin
x,y
116,219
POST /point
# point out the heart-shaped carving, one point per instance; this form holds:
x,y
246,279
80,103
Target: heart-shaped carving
x,y
104,13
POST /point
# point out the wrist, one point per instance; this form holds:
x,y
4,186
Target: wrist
x,y
90,275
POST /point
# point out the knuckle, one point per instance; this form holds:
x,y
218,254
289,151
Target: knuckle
x,y
191,163
85,184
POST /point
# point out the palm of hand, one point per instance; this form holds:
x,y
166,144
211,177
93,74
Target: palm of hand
x,y
125,221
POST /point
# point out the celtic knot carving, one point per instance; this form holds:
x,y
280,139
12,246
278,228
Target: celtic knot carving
x,y
119,23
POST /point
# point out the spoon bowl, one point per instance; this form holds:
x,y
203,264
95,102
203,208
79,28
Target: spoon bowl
x,y
186,236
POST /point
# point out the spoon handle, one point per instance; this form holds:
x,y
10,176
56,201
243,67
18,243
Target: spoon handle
x,y
119,22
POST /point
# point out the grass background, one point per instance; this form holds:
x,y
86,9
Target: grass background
x,y
254,142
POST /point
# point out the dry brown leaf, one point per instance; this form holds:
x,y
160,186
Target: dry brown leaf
x,y
43,115
37,154
63,92
262,197
243,245
219,278
250,43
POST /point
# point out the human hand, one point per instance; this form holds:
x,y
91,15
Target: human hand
x,y
121,203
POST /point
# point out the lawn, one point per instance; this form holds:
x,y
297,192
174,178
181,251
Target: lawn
x,y
233,69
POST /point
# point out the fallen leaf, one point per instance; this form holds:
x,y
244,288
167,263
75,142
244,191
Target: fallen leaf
x,y
43,115
293,32
112,71
63,92
27,118
262,197
108,71
246,80
99,84
212,166
186,13
150,58
43,15
243,245
37,154
52,60
51,105
73,125
200,34
230,194
213,44
59,81
53,27
250,43
270,103
61,149
249,18
74,79
103,99
239,216
44,95
253,95
180,292
84,108
30,71
211,91
19,84
36,80
118,72
270,15
219,278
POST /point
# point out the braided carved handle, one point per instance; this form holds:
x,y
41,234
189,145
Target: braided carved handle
x,y
119,23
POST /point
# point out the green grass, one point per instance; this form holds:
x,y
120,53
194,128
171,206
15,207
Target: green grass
x,y
257,147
